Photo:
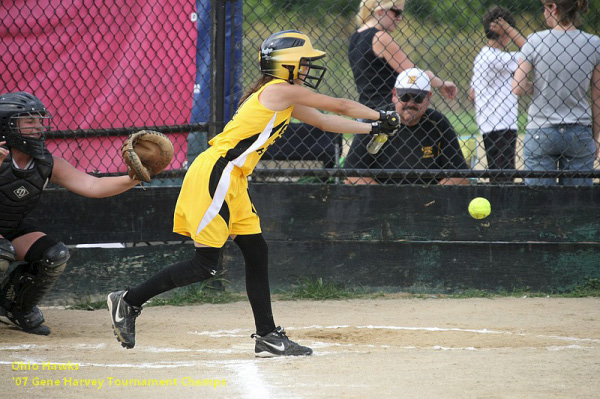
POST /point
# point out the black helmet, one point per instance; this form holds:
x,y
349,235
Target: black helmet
x,y
14,106
283,54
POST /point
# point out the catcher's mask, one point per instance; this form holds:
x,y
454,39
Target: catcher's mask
x,y
289,55
24,122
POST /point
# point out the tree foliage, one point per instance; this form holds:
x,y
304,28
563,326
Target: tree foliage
x,y
462,14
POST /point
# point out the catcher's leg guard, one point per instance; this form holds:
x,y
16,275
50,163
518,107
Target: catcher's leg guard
x,y
31,321
27,283
7,256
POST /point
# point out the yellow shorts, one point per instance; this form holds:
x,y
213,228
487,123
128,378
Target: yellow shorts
x,y
214,202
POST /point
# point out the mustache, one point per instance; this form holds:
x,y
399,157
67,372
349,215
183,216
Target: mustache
x,y
412,108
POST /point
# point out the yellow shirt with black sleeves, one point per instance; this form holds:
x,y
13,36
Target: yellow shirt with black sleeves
x,y
214,202
252,129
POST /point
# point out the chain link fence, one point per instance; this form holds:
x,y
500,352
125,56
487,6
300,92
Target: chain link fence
x,y
107,68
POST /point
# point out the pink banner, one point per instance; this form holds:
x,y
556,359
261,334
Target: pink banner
x,y
102,64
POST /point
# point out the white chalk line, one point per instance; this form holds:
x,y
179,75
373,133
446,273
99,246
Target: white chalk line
x,y
247,348
244,333
251,379
248,374
244,374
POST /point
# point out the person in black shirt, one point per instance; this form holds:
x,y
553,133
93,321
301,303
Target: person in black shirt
x,y
30,260
376,58
426,139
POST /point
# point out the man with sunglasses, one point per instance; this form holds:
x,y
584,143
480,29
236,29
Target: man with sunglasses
x,y
426,139
376,58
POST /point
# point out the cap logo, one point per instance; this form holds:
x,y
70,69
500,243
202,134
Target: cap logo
x,y
412,80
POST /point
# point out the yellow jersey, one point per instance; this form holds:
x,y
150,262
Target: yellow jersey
x,y
252,129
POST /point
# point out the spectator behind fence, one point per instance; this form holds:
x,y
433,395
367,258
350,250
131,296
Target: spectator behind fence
x,y
562,129
26,166
496,106
376,59
426,139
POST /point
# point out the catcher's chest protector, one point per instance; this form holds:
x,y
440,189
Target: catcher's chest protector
x,y
20,190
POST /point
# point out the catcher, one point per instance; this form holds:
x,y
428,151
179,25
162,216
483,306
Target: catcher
x,y
31,261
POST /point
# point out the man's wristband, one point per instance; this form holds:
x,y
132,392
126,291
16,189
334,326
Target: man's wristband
x,y
382,115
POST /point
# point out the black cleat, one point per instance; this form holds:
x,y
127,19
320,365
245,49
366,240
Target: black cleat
x,y
123,317
31,321
277,343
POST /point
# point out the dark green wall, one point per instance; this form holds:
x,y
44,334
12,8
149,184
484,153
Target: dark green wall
x,y
402,238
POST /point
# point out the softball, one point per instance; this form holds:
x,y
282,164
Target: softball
x,y
480,208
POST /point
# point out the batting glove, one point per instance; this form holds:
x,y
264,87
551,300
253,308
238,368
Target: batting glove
x,y
389,123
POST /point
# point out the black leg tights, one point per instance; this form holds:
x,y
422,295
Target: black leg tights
x,y
201,267
256,255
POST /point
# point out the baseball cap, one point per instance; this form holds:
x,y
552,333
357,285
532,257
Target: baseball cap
x,y
413,80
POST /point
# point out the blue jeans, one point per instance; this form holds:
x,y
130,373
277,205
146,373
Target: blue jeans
x,y
559,147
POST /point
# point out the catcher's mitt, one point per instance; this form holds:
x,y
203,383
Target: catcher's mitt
x,y
146,154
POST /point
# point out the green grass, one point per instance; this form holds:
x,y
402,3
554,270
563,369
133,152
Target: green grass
x,y
214,291
465,124
209,291
319,290
87,305
590,288
206,292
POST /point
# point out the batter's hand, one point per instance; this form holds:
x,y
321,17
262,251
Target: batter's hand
x,y
391,124
3,151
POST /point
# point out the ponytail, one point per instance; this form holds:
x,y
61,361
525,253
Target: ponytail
x,y
254,87
583,6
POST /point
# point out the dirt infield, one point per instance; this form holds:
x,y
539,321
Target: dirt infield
x,y
382,348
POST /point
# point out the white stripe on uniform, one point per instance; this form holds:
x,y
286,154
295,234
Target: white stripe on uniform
x,y
223,186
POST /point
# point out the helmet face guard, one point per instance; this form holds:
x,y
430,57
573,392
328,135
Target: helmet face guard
x,y
311,80
285,53
30,140
24,122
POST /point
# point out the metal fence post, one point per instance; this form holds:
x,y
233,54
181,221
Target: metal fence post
x,y
217,106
